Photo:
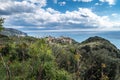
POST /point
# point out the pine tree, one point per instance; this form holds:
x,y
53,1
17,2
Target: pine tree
x,y
1,23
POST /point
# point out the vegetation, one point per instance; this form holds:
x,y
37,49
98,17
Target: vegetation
x,y
1,23
29,58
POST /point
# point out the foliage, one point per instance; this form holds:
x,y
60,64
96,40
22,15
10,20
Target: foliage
x,y
28,58
1,23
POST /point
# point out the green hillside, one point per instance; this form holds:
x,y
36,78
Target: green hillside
x,y
29,58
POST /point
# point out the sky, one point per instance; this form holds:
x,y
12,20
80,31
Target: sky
x,y
78,19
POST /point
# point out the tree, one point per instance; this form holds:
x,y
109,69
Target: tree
x,y
1,23
46,66
6,67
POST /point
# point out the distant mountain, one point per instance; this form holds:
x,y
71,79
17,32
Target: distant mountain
x,y
12,32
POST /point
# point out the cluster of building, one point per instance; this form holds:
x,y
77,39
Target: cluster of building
x,y
62,40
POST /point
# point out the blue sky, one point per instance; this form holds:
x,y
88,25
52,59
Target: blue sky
x,y
78,19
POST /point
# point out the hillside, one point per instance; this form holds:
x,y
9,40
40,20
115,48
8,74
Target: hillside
x,y
62,58
12,32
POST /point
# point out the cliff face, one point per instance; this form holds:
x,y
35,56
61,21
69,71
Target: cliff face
x,y
12,32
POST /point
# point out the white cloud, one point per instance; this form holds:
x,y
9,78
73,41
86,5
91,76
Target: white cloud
x,y
62,3
110,2
55,1
52,19
17,7
98,4
41,3
82,16
114,15
52,11
82,0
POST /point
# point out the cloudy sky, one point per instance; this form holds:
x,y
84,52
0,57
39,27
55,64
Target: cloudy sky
x,y
72,18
